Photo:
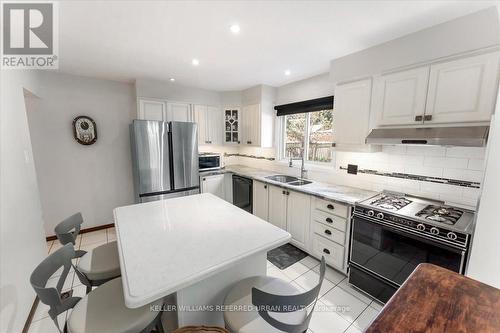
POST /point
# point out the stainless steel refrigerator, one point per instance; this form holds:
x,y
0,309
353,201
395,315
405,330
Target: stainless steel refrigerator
x,y
165,159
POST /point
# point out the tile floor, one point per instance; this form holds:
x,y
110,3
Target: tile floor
x,y
340,309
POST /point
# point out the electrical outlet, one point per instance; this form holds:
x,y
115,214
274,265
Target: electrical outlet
x,y
352,169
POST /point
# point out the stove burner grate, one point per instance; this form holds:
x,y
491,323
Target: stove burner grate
x,y
446,215
391,202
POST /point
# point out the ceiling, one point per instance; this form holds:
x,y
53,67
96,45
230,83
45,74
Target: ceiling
x,y
125,40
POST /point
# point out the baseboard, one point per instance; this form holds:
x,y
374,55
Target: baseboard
x,y
30,315
83,231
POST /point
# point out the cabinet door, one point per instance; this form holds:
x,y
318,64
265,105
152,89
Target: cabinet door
x,y
200,117
232,125
463,90
149,109
260,200
251,125
352,101
399,98
298,217
214,125
179,112
277,206
213,184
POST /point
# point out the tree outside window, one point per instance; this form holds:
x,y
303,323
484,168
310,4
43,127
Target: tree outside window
x,y
317,127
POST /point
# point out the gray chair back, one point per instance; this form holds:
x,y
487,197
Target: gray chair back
x,y
67,230
288,303
52,295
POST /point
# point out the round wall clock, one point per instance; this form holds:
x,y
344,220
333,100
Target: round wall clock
x,y
84,130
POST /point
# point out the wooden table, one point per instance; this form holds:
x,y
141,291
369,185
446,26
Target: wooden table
x,y
194,247
434,299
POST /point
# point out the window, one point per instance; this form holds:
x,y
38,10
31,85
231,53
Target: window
x,y
311,132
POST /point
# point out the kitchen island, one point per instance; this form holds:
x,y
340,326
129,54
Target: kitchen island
x,y
195,247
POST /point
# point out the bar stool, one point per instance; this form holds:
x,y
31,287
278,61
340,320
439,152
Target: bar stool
x,y
96,266
288,307
101,310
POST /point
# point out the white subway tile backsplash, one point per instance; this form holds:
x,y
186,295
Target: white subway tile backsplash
x,y
463,174
468,152
445,162
457,163
424,171
476,164
442,189
394,149
426,150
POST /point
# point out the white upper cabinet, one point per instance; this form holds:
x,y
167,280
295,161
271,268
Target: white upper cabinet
x,y
232,125
463,90
200,118
351,114
152,109
399,98
257,125
214,125
449,92
179,112
209,120
251,125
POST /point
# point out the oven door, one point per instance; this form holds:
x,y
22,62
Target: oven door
x,y
392,254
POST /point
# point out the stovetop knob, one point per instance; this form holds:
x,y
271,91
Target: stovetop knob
x,y
451,235
420,227
371,213
380,216
434,231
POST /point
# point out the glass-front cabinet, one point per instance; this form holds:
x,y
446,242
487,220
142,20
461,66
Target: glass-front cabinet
x,y
232,125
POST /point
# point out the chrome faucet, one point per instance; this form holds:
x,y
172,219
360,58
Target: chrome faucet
x,y
303,171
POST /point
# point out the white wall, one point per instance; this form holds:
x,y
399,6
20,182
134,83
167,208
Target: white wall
x,y
73,178
484,260
22,239
467,33
310,88
231,98
175,92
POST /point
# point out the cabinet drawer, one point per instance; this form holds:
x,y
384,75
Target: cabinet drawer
x,y
334,253
331,207
330,233
330,220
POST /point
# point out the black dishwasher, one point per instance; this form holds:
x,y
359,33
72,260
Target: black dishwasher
x,y
242,193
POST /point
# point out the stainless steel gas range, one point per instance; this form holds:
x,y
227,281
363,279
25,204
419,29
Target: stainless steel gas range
x,y
392,233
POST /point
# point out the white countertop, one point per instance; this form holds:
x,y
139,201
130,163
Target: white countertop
x,y
167,245
345,194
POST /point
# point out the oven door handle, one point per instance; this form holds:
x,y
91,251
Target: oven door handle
x,y
409,234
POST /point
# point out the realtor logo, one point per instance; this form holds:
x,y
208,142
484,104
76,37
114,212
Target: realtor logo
x,y
29,38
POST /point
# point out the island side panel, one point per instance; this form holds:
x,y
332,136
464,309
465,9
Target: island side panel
x,y
213,290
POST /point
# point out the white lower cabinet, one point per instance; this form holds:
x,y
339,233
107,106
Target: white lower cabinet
x,y
319,227
329,235
213,184
277,206
228,187
290,211
260,200
333,252
298,217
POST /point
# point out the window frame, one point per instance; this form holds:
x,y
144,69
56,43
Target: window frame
x,y
281,144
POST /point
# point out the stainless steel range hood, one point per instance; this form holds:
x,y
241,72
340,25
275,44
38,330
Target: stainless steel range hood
x,y
470,136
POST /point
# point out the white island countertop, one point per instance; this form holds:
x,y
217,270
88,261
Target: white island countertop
x,y
168,245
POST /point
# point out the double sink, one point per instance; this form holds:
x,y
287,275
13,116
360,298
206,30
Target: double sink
x,y
290,180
